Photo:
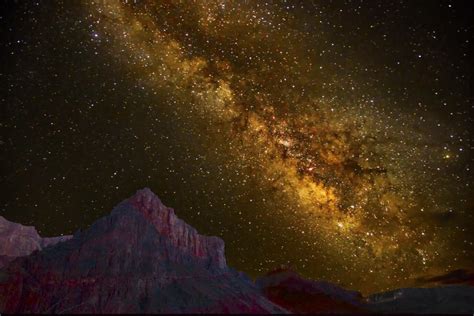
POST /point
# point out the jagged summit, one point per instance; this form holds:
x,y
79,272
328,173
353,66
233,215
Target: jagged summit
x,y
147,199
182,236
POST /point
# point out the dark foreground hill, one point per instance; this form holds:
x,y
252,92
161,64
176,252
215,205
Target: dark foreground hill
x,y
302,296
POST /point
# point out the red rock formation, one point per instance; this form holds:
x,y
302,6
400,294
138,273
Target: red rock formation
x,y
139,259
143,259
181,235
17,240
286,288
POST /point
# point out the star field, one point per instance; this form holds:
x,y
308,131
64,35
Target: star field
x,y
331,136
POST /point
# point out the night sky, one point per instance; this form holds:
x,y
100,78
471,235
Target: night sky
x,y
333,136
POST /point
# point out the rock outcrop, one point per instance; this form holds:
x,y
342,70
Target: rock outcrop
x,y
17,240
139,259
298,295
143,259
182,236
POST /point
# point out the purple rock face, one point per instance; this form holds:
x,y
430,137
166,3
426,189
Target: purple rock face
x,y
17,240
182,237
139,259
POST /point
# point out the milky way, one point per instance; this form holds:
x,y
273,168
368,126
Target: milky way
x,y
309,137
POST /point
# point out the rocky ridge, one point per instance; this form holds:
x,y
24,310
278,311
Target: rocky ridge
x,y
143,259
288,289
17,240
139,259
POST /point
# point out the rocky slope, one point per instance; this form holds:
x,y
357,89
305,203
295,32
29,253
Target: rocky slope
x,y
139,259
17,240
143,259
298,295
446,299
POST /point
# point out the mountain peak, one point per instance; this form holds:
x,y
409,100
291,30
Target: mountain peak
x,y
145,198
141,258
149,204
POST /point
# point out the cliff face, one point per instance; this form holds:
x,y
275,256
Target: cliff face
x,y
17,240
183,238
139,259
